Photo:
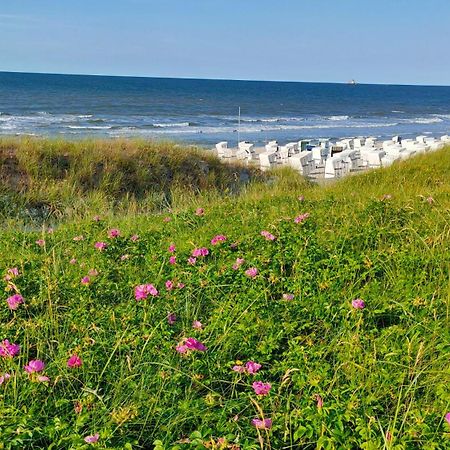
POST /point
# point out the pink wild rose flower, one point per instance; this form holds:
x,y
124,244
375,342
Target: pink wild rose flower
x,y
202,251
4,377
74,361
268,236
171,318
447,418
219,238
252,272
8,349
35,365
238,263
358,303
301,218
100,245
252,367
261,388
113,233
142,291
14,301
92,439
264,424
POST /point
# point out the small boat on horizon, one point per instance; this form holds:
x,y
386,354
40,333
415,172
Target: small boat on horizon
x,y
352,82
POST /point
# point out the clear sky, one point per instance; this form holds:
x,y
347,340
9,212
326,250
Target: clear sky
x,y
372,41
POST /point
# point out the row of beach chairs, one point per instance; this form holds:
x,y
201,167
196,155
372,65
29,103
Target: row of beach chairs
x,y
328,159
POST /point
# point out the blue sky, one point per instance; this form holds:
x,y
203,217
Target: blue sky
x,y
373,41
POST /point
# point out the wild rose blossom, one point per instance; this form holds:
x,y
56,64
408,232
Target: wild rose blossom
x,y
73,261
288,297
301,198
8,349
238,263
268,236
264,424
14,301
191,260
142,291
181,348
173,260
180,285
199,212
172,248
239,369
92,439
193,344
202,251
11,273
169,285
252,272
113,233
74,361
167,219
430,200
124,257
219,238
197,325
34,366
134,238
319,402
100,245
96,219
189,344
252,367
171,318
447,418
42,378
358,303
4,377
301,218
40,242
85,280
261,388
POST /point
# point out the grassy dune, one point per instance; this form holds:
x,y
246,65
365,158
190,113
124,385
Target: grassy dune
x,y
169,370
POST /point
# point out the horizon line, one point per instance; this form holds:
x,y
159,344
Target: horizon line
x,y
216,79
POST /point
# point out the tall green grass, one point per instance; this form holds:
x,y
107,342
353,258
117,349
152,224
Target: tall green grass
x,y
381,372
54,179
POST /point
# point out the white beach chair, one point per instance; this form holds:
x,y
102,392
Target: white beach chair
x,y
223,151
334,167
266,159
302,162
272,147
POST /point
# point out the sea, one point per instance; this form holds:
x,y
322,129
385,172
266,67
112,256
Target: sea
x,y
203,112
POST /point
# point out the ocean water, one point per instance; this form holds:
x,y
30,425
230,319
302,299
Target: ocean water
x,y
206,111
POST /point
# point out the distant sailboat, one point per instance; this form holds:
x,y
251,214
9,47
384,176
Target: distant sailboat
x,y
353,82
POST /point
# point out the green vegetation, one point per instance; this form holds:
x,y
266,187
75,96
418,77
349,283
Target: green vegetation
x,y
341,376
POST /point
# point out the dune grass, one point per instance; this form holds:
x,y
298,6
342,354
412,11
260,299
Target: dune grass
x,y
340,376
49,179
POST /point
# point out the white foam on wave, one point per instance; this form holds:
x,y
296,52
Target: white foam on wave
x,y
338,118
171,125
423,120
81,127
